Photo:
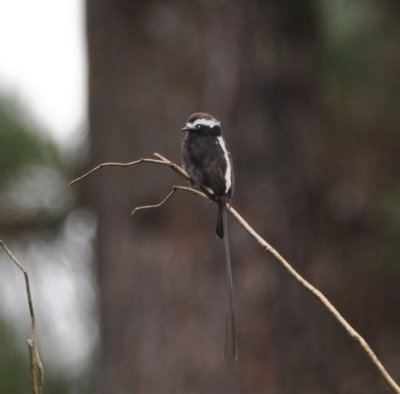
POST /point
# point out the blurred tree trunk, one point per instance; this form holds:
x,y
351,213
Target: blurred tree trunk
x,y
161,277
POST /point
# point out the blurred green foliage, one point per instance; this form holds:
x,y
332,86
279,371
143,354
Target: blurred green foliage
x,y
33,178
20,146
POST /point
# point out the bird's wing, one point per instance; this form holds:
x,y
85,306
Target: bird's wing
x,y
214,166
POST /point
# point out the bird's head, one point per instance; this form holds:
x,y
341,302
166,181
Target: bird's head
x,y
202,122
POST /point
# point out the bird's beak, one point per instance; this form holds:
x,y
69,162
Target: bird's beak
x,y
186,128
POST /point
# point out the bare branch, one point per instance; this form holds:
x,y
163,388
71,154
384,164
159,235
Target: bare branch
x,y
115,164
164,200
275,254
161,160
37,370
167,197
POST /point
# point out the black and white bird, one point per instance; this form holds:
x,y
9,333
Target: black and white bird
x,y
208,162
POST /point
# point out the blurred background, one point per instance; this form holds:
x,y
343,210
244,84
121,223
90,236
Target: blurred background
x,y
308,93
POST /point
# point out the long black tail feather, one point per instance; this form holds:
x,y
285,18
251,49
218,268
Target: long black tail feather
x,y
220,225
230,317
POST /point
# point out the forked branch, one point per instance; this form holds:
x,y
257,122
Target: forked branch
x,y
37,370
167,197
275,254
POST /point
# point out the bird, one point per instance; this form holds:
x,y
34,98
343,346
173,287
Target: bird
x,y
206,159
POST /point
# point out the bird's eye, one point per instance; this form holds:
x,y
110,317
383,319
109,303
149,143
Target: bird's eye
x,y
199,126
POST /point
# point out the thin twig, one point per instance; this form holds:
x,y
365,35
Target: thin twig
x,y
277,256
37,370
167,197
109,164
158,205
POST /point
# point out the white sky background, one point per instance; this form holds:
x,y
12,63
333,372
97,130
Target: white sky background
x,y
42,61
